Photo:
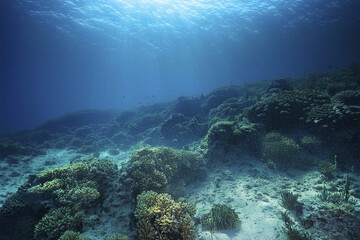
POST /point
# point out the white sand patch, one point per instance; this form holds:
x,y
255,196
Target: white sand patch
x,y
247,186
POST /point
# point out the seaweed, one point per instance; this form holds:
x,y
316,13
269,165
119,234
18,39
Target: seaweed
x,y
221,217
327,168
288,200
338,197
291,231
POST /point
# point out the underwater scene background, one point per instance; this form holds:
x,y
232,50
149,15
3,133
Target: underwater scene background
x,y
234,119
63,56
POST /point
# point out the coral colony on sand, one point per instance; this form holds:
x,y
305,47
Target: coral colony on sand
x,y
280,153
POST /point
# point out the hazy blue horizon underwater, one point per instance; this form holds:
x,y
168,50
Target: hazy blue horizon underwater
x,y
64,56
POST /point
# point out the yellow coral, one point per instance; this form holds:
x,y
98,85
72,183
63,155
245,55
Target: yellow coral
x,y
71,235
155,168
160,217
74,188
51,185
56,222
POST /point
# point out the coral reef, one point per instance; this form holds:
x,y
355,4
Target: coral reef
x,y
221,135
54,223
55,200
226,111
11,148
293,122
310,143
287,108
232,136
278,85
156,168
279,149
118,237
71,235
220,95
179,130
160,217
188,106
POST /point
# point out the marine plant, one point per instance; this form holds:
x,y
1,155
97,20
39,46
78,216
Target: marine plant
x,y
160,217
280,149
288,200
324,195
291,231
221,217
327,168
343,196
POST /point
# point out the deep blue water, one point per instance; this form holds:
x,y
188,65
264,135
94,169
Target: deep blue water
x,y
60,56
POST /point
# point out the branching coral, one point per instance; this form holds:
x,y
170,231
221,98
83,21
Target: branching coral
x,y
155,168
71,235
54,223
118,237
75,184
90,168
73,189
160,217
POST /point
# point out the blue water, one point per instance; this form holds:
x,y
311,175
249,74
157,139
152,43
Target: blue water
x,y
60,56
